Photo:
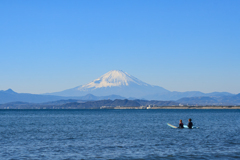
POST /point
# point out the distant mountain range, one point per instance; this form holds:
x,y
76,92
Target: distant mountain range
x,y
117,82
11,96
223,100
121,85
78,104
14,100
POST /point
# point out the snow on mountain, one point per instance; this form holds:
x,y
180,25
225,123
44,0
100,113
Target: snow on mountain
x,y
120,83
111,79
114,82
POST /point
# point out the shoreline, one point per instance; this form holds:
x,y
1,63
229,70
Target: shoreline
x,y
181,107
122,107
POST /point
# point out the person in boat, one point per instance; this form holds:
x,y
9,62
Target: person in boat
x,y
190,124
180,124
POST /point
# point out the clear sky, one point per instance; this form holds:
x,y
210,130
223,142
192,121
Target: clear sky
x,y
48,46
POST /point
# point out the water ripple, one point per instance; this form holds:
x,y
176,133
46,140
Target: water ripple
x,y
125,134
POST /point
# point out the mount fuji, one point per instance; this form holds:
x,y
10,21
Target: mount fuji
x,y
115,82
121,85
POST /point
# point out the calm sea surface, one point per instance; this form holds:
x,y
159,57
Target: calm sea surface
x,y
118,134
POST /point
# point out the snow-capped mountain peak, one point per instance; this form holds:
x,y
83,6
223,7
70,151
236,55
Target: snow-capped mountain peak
x,y
115,82
111,79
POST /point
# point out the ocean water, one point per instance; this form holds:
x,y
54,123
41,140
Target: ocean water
x,y
118,134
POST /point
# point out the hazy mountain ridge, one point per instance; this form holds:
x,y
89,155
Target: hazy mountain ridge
x,y
85,104
123,84
75,104
11,96
178,95
223,100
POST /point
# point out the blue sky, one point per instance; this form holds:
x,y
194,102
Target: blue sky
x,y
49,46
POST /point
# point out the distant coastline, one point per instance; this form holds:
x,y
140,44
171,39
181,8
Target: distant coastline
x,y
123,107
111,104
183,107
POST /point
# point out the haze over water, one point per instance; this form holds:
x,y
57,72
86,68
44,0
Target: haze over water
x,y
118,134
